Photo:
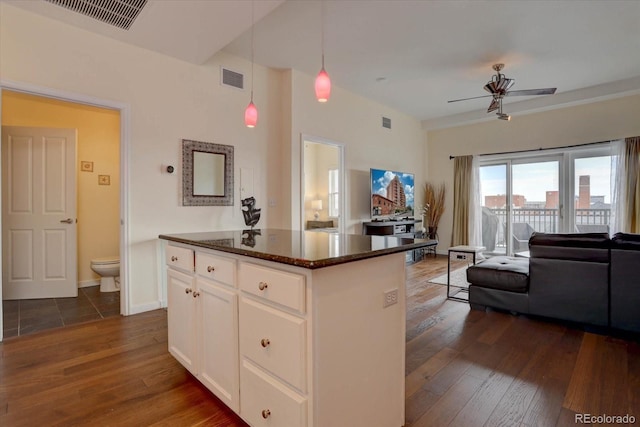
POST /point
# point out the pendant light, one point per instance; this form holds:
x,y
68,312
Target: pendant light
x,y
323,83
251,112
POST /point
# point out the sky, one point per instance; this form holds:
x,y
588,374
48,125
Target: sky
x,y
381,178
533,180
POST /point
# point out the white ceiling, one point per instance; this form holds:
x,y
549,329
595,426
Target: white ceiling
x,y
410,55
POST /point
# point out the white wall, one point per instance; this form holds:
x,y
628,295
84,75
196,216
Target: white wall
x,y
595,122
357,123
169,100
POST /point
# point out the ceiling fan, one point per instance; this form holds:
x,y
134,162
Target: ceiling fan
x,y
499,87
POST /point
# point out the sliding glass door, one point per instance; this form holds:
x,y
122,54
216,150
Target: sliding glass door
x,y
565,192
495,185
519,197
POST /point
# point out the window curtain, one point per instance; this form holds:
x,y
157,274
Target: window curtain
x,y
462,177
618,187
626,193
475,207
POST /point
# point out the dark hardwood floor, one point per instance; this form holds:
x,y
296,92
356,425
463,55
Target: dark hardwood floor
x,y
463,368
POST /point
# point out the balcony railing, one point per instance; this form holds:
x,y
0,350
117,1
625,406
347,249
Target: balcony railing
x,y
546,221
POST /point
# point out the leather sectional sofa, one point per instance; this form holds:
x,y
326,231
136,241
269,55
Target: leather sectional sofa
x,y
585,277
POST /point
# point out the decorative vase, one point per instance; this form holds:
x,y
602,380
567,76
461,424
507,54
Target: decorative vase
x,y
432,233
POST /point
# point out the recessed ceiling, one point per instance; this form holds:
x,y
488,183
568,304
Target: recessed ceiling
x,y
412,56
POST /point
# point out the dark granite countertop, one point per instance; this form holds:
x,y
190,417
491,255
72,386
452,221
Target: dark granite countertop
x,y
306,249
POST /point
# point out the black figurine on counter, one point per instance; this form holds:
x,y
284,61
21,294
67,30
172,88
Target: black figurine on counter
x,y
251,214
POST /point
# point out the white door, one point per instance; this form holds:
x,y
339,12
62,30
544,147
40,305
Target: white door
x,y
38,213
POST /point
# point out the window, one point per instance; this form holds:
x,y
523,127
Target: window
x,y
565,191
334,194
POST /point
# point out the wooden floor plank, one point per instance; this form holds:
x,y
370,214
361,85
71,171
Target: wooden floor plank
x,y
463,367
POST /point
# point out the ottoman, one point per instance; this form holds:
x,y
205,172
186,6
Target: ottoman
x,y
500,282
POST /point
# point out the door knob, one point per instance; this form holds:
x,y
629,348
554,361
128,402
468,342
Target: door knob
x,y
67,221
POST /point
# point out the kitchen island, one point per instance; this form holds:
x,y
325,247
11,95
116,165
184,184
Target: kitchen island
x,y
292,328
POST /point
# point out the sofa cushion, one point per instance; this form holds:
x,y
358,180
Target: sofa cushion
x,y
625,241
588,247
501,272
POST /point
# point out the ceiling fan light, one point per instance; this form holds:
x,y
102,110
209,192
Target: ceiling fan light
x,y
251,115
323,86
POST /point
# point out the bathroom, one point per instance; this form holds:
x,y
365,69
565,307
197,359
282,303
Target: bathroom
x,y
97,198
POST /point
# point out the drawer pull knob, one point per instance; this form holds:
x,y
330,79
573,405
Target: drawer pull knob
x,y
210,268
266,413
174,258
262,286
188,290
196,294
265,342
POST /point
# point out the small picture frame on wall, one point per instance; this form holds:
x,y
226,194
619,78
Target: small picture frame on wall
x,y
86,166
104,179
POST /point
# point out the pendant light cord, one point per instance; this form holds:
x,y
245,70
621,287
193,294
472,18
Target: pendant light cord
x,y
252,44
322,30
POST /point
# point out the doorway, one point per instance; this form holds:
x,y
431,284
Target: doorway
x,y
322,196
113,179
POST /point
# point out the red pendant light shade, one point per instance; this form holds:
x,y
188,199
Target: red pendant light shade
x,y
251,115
323,86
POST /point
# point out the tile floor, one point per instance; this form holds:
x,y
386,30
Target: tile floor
x,y
21,317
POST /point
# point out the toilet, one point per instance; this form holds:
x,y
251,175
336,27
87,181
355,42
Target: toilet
x,y
108,269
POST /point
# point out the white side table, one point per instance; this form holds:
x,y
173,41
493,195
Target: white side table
x,y
461,253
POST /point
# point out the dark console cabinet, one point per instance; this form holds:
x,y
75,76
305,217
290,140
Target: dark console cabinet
x,y
399,228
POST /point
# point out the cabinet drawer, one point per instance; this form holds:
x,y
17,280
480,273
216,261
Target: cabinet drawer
x,y
276,286
274,340
266,402
177,257
217,268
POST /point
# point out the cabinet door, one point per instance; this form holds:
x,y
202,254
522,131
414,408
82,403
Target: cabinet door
x,y
218,338
181,318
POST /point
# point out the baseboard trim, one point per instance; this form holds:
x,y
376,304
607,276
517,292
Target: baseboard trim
x,y
88,283
141,308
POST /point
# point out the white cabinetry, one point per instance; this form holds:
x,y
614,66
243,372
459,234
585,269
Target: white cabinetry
x,y
290,346
273,346
203,319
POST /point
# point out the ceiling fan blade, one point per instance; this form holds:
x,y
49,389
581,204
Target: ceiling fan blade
x,y
466,99
495,104
528,92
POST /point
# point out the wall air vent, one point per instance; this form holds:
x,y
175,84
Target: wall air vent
x,y
119,13
386,122
233,79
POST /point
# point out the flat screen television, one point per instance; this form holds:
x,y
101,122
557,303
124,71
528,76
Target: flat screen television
x,y
391,194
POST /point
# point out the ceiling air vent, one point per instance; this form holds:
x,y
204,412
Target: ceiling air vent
x,y
386,122
233,79
119,13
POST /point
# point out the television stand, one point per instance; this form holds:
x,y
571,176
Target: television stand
x,y
395,227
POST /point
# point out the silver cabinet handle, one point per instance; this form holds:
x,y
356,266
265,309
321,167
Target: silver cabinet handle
x,y
262,286
67,221
211,268
266,413
264,342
